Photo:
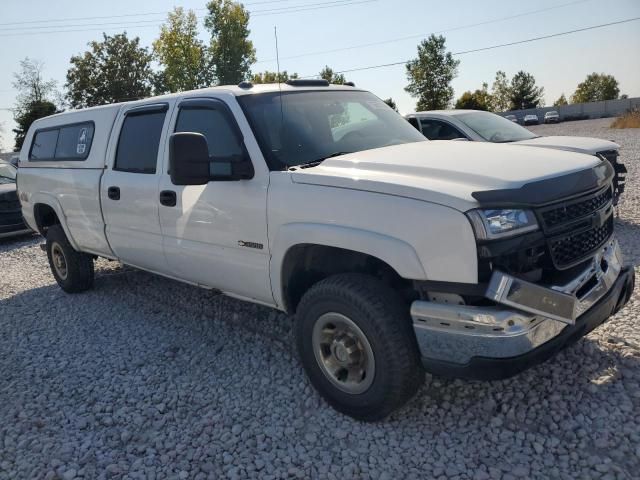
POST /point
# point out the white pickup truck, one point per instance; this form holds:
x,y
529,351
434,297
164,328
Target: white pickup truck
x,y
393,252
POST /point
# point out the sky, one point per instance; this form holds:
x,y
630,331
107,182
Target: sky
x,y
315,33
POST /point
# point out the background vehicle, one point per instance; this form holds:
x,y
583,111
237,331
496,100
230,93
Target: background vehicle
x,y
531,119
479,126
511,118
323,202
552,117
11,222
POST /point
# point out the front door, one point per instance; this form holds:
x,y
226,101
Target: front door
x,y
129,188
216,234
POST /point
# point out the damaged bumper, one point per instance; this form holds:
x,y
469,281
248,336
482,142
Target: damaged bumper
x,y
528,325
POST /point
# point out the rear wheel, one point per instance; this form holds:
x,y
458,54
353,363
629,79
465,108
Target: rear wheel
x,y
357,346
72,270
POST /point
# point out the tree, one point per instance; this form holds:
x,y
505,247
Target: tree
x,y
562,100
596,88
114,70
181,55
478,100
29,114
524,92
501,93
35,97
430,75
232,53
330,76
271,77
391,103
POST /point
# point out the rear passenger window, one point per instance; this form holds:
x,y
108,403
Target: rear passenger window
x,y
213,124
139,141
74,142
44,145
67,142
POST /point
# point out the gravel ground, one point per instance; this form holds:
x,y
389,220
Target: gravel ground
x,y
147,378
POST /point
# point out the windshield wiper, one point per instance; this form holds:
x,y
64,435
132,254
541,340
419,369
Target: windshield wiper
x,y
315,163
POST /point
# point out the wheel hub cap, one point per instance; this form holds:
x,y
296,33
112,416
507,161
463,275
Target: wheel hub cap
x,y
343,353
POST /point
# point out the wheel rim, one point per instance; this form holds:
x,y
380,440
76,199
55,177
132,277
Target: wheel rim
x,y
343,353
59,261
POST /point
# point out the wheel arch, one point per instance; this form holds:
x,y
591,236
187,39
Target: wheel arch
x,y
306,253
48,212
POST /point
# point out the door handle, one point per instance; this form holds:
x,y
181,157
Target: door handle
x,y
113,193
168,198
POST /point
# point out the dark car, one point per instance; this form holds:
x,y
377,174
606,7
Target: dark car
x,y
11,221
531,119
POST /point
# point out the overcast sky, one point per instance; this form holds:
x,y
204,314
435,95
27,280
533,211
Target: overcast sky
x,y
306,39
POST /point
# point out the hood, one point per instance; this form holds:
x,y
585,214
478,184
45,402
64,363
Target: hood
x,y
573,144
443,172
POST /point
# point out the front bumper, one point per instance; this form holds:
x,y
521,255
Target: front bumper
x,y
498,342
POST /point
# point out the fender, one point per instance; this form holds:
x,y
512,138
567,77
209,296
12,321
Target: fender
x,y
52,201
398,254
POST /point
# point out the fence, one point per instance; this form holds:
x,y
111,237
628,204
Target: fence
x,y
582,111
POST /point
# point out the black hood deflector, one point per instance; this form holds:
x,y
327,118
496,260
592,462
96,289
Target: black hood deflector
x,y
543,192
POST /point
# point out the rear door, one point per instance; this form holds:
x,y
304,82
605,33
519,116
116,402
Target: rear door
x,y
129,188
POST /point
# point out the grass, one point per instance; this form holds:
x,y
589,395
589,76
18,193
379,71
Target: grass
x,y
631,119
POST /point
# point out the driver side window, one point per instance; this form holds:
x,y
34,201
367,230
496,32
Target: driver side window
x,y
214,125
436,130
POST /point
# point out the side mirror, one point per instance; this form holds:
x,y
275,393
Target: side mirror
x,y
189,159
190,163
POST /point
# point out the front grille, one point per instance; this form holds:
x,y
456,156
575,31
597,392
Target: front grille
x,y
557,215
576,228
573,248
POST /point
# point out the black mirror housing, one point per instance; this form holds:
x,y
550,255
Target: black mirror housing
x,y
190,163
189,159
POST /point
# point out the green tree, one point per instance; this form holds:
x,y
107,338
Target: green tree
x,y
562,100
389,101
271,77
232,53
430,75
595,88
114,70
330,76
524,92
182,56
29,113
35,97
500,93
478,100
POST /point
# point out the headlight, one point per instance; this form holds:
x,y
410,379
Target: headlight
x,y
500,223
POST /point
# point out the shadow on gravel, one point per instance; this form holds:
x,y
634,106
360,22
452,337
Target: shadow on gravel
x,y
628,234
17,241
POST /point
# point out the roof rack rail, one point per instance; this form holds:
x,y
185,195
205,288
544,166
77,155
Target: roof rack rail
x,y
245,85
300,82
349,84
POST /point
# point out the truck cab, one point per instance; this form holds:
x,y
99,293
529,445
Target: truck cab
x,y
392,253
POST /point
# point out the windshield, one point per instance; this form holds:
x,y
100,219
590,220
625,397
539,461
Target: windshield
x,y
494,128
7,174
313,125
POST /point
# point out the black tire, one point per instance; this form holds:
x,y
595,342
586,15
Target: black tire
x,y
77,274
384,319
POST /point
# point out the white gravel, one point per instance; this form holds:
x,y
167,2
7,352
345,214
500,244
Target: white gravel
x,y
146,378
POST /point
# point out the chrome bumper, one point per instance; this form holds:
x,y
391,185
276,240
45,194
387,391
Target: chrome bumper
x,y
531,315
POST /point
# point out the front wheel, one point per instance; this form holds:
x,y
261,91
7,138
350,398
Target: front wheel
x,y
72,270
357,346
